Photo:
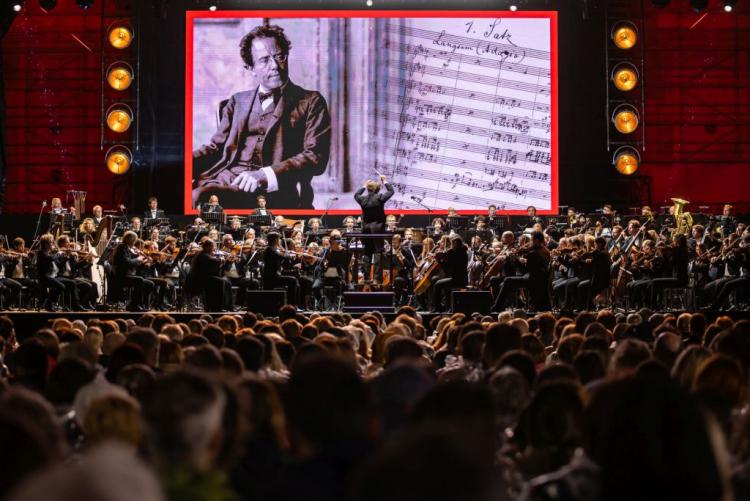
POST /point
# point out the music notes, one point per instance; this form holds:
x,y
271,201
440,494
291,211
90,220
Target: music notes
x,y
464,112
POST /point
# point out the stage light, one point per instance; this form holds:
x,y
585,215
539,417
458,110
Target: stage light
x,y
626,160
47,4
17,6
625,118
624,35
120,76
513,8
212,5
368,3
120,37
118,159
625,76
85,4
699,5
729,5
119,117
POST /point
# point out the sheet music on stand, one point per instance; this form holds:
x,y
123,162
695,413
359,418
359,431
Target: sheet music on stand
x,y
457,222
213,218
466,116
157,221
260,220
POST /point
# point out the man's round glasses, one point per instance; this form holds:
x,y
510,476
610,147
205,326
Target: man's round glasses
x,y
279,58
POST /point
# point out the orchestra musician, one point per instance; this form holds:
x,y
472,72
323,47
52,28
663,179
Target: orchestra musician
x,y
97,215
332,267
348,225
235,229
50,288
677,267
205,276
454,262
153,211
599,263
727,222
136,226
535,279
70,267
401,266
313,234
740,255
157,270
261,209
16,265
391,223
372,203
126,261
274,258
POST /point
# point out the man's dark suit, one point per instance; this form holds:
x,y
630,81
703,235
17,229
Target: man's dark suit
x,y
373,220
148,215
205,275
296,146
124,267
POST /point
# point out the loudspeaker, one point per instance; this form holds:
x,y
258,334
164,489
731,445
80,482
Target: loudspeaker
x,y
266,302
355,302
469,302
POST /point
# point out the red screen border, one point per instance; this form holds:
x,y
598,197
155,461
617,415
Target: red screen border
x,y
191,15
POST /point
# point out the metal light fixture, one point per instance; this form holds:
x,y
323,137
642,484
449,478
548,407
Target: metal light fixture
x,y
17,6
119,117
625,76
729,5
626,160
120,36
120,75
118,159
624,35
625,118
699,5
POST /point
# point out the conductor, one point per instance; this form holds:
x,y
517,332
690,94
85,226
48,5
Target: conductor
x,y
373,219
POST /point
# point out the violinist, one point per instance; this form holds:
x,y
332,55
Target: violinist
x,y
274,258
314,234
599,262
643,269
50,288
537,265
205,276
740,255
235,268
454,261
155,271
70,268
16,265
567,272
235,229
724,267
125,263
331,268
401,266
676,268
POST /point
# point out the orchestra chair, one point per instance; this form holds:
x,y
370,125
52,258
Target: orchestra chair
x,y
677,299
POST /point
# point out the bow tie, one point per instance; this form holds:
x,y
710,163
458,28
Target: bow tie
x,y
265,95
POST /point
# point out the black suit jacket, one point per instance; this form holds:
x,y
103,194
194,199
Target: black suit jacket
x,y
124,262
45,264
159,214
203,268
373,204
296,145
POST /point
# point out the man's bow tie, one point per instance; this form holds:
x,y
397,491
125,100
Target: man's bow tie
x,y
265,95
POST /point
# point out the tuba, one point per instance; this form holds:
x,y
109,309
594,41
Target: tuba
x,y
683,220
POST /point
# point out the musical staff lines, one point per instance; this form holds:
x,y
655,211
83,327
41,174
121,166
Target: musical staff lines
x,y
463,117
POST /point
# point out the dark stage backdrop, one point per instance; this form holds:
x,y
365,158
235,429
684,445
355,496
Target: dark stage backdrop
x,y
697,110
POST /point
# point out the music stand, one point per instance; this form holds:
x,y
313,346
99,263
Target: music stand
x,y
260,220
457,223
213,218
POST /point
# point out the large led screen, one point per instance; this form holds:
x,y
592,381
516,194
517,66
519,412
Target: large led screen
x,y
457,109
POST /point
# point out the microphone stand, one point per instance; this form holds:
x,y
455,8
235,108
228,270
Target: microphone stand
x,y
325,212
39,220
419,202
